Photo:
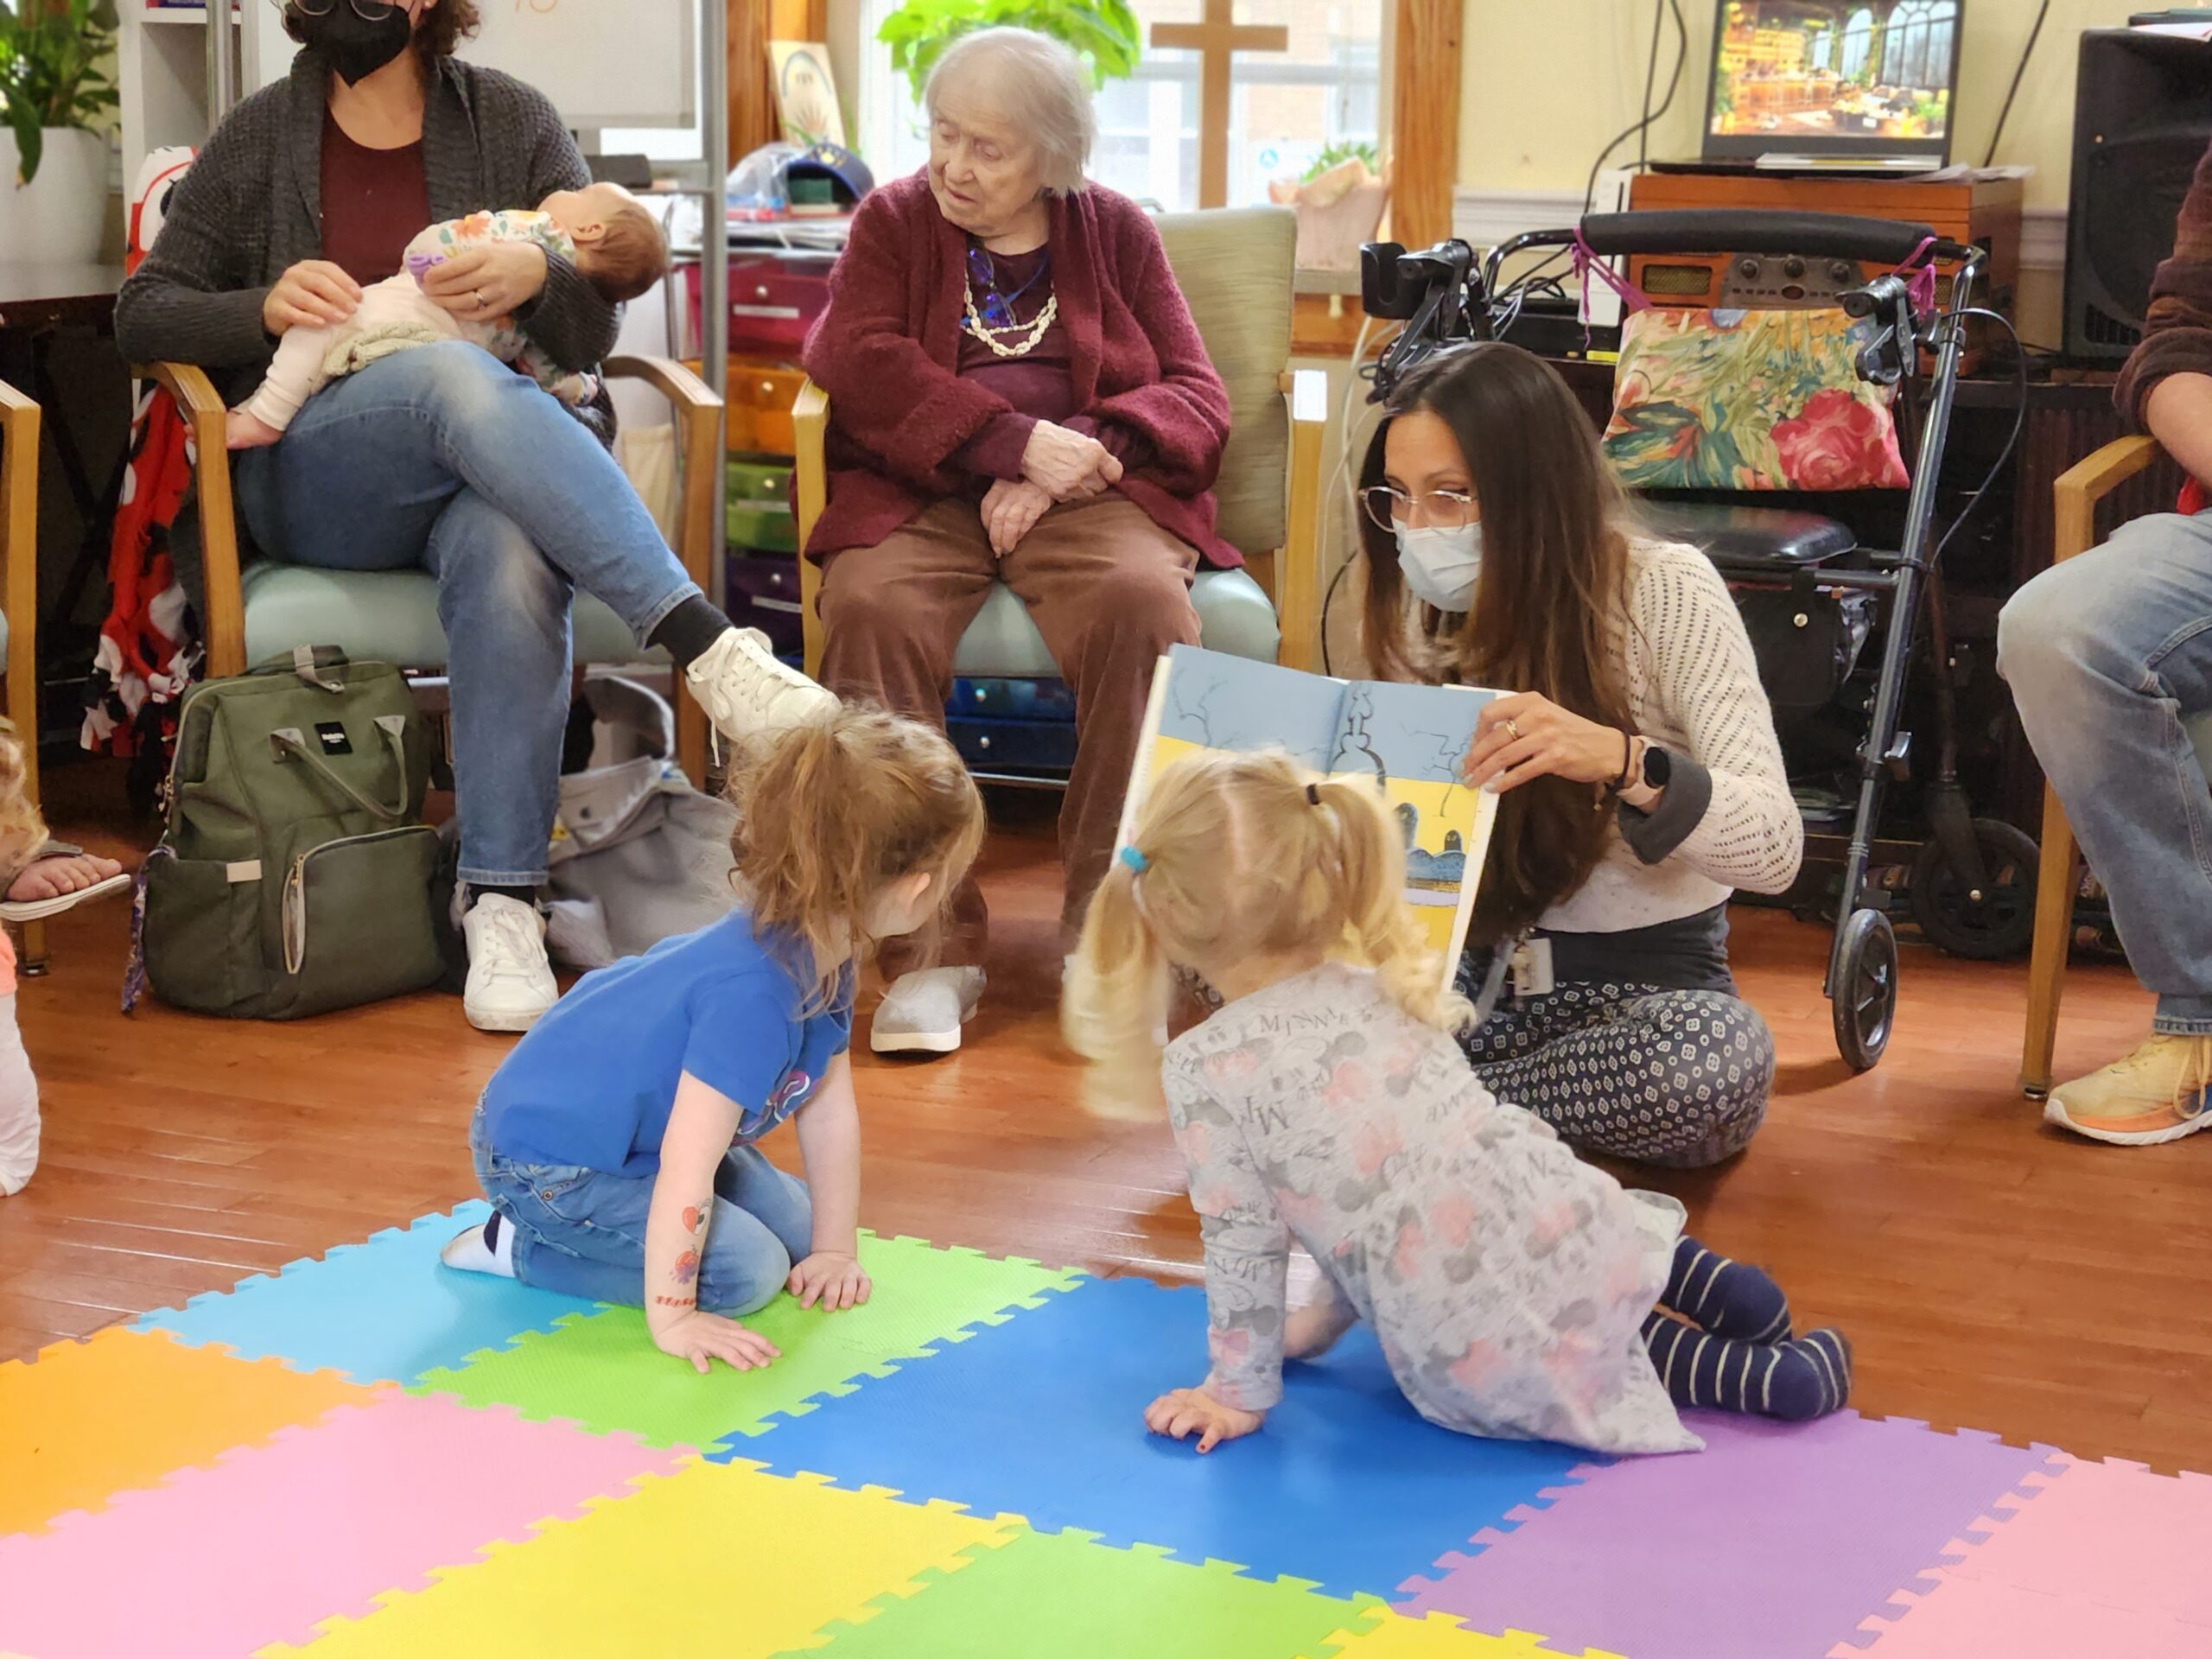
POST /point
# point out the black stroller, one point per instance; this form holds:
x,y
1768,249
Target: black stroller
x,y
1974,882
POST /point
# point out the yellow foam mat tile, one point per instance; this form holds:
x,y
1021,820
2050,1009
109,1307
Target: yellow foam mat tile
x,y
1393,1636
126,1409
714,1559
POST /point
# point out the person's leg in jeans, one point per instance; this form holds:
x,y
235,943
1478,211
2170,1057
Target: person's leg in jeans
x,y
583,1233
892,615
2106,654
1110,591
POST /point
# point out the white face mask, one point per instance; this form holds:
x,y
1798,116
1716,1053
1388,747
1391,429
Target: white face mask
x,y
1442,566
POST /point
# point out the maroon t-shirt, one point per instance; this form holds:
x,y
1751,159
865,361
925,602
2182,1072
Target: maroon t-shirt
x,y
374,203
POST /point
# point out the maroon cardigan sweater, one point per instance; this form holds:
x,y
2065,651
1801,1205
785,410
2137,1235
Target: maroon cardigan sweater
x,y
886,349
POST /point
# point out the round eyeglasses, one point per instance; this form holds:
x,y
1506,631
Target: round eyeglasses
x,y
369,11
1390,508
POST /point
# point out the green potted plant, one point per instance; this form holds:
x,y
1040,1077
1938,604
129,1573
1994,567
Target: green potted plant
x,y
1105,32
56,87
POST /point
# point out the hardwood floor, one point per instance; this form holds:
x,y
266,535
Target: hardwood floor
x,y
1990,1273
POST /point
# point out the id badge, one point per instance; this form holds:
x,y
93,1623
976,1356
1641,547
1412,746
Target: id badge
x,y
1531,968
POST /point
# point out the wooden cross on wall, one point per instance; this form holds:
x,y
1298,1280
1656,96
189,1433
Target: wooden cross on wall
x,y
1217,40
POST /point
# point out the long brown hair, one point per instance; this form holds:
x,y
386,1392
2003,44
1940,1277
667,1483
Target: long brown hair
x,y
830,814
1547,607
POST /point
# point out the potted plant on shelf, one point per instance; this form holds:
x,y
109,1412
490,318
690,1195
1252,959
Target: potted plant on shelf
x,y
1105,32
55,58
1339,201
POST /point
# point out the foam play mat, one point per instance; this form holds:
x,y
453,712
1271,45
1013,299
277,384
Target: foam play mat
x,y
368,1455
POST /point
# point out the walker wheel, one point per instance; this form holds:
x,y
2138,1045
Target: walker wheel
x,y
1992,923
1865,999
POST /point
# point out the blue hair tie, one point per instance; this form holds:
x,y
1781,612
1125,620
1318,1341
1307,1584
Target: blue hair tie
x,y
1136,860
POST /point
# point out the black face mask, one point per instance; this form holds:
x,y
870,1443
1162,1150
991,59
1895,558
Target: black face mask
x,y
348,42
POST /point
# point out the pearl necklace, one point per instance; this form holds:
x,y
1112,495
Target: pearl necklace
x,y
976,326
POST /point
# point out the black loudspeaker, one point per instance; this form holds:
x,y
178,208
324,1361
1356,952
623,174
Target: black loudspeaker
x,y
2142,121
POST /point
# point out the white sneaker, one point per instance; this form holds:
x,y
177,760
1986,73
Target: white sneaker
x,y
745,691
923,1012
509,980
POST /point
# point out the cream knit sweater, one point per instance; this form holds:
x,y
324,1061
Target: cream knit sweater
x,y
1693,690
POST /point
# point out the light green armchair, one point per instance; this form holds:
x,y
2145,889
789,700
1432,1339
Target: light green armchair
x,y
1235,267
269,609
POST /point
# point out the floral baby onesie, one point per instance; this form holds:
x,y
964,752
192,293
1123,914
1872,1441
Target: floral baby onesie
x,y
1506,1280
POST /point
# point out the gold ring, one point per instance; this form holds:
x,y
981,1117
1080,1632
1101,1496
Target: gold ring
x,y
1513,730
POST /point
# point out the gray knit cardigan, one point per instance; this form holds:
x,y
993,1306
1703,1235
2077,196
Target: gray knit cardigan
x,y
251,206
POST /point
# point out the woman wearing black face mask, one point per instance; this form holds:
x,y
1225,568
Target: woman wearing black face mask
x,y
441,456
1638,773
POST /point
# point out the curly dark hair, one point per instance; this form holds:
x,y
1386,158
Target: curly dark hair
x,y
438,33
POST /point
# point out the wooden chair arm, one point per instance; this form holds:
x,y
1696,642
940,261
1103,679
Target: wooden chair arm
x,y
699,451
203,410
19,429
1298,580
2078,490
811,425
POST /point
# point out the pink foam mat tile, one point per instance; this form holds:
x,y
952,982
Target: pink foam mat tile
x,y
1812,1527
270,1539
1969,1618
2106,1539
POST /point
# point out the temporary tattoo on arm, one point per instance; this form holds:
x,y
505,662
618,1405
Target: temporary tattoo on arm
x,y
675,1301
687,1267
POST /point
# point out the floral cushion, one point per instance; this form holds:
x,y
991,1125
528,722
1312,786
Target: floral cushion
x,y
1749,400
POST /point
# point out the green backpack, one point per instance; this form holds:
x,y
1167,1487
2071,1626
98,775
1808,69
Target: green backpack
x,y
294,874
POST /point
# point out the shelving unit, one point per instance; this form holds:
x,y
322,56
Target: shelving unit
x,y
162,71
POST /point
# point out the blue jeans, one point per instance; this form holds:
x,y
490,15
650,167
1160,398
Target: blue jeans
x,y
442,457
2106,655
583,1232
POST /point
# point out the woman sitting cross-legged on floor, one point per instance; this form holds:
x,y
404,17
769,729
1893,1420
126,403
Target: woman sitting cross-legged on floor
x,y
1640,774
1017,394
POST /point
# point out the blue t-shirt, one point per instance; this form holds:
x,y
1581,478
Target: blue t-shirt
x,y
592,1084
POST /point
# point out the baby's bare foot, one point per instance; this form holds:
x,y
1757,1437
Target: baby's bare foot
x,y
53,878
244,431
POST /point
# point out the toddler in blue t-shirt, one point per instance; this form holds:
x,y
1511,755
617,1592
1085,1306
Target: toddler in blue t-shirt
x,y
617,1142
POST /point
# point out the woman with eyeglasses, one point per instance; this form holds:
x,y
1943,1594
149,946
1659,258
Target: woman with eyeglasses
x,y
1639,776
1017,394
441,457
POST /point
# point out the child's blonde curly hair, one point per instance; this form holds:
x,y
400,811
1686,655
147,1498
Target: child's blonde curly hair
x,y
1243,855
830,814
22,831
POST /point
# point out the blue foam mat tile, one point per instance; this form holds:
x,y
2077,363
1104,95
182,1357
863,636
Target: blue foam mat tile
x,y
1043,1417
385,1310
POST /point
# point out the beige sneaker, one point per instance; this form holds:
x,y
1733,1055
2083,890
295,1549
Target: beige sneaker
x,y
2156,1094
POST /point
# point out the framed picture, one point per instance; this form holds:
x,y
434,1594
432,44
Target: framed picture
x,y
806,93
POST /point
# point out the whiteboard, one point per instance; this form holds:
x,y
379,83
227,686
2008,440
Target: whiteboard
x,y
604,63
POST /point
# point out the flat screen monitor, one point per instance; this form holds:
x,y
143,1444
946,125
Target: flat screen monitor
x,y
1833,78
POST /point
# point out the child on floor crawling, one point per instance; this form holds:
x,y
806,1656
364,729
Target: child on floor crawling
x,y
1516,1292
617,1142
602,230
23,832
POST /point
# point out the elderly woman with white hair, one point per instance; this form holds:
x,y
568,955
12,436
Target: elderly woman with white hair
x,y
1017,394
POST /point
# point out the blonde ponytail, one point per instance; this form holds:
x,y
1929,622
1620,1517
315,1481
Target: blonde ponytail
x,y
1236,858
22,831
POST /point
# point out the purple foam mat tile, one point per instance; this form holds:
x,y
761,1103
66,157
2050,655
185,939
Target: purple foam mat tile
x,y
1777,1539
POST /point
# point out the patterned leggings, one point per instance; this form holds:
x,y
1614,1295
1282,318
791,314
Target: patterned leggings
x,y
1676,1078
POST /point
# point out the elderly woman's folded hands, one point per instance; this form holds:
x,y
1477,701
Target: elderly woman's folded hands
x,y
1068,466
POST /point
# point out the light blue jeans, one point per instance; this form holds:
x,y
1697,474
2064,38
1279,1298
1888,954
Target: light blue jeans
x,y
583,1232
2106,654
442,457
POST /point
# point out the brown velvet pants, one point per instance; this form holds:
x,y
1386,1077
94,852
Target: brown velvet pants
x,y
1109,590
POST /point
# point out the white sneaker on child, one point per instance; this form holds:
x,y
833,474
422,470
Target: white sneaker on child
x,y
510,982
745,691
923,1012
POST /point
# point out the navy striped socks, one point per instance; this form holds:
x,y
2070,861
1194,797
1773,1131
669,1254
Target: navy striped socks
x,y
1727,1298
1806,1377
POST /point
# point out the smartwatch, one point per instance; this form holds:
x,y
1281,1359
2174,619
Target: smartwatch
x,y
1657,767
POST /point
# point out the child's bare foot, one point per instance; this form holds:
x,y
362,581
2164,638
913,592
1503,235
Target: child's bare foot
x,y
1312,1331
59,876
244,431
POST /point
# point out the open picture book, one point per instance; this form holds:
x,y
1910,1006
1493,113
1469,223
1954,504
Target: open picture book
x,y
1409,738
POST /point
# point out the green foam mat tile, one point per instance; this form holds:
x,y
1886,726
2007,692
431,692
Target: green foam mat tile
x,y
1065,1595
601,1370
